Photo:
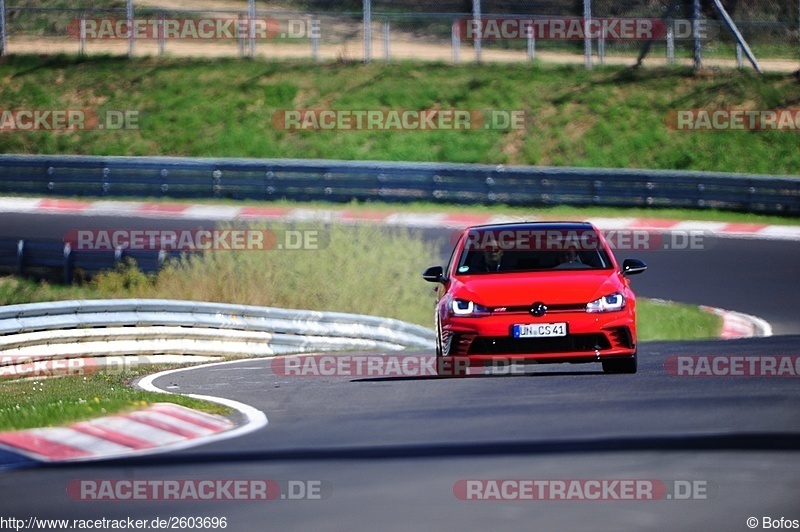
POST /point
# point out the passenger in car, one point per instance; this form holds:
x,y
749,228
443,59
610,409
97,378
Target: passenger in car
x,y
570,259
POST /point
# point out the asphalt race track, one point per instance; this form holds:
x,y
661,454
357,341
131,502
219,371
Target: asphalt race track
x,y
395,453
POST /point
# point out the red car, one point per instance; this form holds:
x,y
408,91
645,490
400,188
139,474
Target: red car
x,y
534,292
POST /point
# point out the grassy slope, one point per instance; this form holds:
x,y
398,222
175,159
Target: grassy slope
x,y
609,117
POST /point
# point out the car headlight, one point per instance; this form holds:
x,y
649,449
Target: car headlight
x,y
462,307
607,303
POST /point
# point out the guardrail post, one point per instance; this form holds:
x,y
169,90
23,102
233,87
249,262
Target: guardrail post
x,y
21,258
67,263
164,174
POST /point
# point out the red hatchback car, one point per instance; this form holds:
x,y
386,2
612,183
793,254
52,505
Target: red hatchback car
x,y
534,292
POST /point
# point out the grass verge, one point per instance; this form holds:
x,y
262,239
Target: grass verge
x,y
608,117
57,401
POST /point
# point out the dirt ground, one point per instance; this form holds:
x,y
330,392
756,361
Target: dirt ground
x,y
401,48
341,40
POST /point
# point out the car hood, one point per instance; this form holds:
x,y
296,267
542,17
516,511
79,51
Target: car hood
x,y
515,289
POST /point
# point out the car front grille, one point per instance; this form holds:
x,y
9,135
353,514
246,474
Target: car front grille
x,y
551,309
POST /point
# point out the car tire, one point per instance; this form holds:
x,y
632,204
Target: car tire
x,y
621,365
443,355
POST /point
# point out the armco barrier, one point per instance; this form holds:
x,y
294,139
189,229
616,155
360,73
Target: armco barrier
x,y
98,328
24,256
344,181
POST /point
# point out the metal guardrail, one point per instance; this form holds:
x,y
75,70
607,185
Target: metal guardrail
x,y
78,329
345,181
32,257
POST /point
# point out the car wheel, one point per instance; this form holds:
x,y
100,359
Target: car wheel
x,y
446,365
621,365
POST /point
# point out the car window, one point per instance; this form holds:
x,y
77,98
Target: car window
x,y
483,255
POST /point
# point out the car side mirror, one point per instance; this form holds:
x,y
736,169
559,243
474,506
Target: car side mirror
x,y
633,266
434,274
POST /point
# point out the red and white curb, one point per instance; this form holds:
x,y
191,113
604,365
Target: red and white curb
x,y
159,428
735,325
740,325
406,219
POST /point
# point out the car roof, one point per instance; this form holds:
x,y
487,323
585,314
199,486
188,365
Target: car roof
x,y
537,226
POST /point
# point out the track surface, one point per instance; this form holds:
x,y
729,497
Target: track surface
x,y
392,449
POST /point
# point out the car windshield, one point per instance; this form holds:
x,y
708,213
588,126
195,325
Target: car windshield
x,y
491,251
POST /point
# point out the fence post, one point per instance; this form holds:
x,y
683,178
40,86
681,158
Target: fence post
x,y
587,39
476,16
601,47
698,62
315,45
162,37
241,31
531,43
251,27
129,9
2,28
367,30
82,36
387,55
670,40
455,38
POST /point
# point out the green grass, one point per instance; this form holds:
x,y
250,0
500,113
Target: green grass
x,y
364,269
58,401
17,291
657,320
607,117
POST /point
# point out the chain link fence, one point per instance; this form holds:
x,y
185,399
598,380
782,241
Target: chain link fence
x,y
588,31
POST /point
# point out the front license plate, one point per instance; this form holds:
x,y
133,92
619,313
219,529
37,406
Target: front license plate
x,y
539,330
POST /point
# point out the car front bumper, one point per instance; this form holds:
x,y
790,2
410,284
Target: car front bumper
x,y
590,337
